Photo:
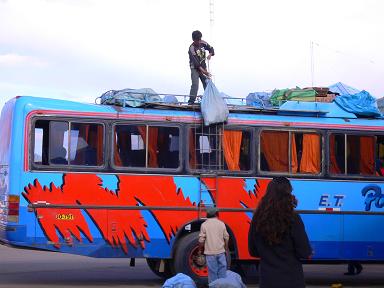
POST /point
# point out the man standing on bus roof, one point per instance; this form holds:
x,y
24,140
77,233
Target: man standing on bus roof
x,y
197,63
213,241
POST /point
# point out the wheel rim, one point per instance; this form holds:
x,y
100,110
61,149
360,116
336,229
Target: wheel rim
x,y
196,265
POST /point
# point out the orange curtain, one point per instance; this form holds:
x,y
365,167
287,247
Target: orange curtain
x,y
153,133
334,168
367,155
274,145
152,147
192,150
310,158
294,164
231,145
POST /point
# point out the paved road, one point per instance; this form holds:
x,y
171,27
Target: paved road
x,y
27,268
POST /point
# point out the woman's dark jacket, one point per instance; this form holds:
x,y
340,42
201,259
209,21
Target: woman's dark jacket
x,y
280,264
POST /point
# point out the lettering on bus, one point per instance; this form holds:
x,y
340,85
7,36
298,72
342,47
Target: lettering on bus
x,y
65,216
327,200
373,194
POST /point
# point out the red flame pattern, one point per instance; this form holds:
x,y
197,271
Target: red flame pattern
x,y
119,225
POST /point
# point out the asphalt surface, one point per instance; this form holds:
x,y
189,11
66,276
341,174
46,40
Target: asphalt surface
x,y
30,268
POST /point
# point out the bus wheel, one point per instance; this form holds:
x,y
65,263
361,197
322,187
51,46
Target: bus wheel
x,y
188,260
154,265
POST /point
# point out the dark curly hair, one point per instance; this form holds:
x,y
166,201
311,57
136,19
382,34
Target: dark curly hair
x,y
273,216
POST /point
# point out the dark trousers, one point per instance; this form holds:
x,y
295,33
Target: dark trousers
x,y
195,75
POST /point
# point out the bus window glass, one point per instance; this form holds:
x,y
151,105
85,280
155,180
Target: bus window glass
x,y
38,146
41,141
356,154
86,144
58,148
306,153
236,148
360,155
274,151
129,146
205,148
337,154
380,156
146,146
211,148
168,147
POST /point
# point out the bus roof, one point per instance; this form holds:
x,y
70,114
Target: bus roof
x,y
289,111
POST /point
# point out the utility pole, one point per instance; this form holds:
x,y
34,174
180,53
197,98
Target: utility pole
x,y
211,19
211,23
312,64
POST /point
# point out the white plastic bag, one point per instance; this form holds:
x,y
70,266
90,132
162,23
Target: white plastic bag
x,y
213,106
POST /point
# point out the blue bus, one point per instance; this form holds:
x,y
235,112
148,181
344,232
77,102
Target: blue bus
x,y
106,181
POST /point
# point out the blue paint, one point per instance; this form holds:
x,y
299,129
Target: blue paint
x,y
109,181
191,188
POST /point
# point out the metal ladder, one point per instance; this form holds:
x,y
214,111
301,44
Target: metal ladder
x,y
210,160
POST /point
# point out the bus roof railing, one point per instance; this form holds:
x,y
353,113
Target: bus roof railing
x,y
235,104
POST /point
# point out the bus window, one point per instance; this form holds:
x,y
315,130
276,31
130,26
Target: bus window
x,y
38,146
306,153
214,149
236,148
205,150
354,154
274,151
304,156
380,156
40,142
86,144
146,146
129,146
360,155
337,153
55,145
168,147
58,139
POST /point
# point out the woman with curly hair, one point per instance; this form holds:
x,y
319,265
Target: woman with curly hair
x,y
277,236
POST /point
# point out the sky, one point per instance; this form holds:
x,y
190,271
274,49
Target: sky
x,y
79,49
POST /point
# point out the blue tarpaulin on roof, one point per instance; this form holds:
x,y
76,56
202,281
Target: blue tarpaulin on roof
x,y
259,99
321,109
343,89
362,103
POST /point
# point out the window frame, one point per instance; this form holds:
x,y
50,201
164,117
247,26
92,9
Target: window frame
x,y
64,167
319,132
250,172
146,170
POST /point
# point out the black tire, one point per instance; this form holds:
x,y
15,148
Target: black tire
x,y
154,263
186,260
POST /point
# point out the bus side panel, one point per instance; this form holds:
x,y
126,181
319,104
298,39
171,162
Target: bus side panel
x,y
333,234
6,121
364,237
238,193
325,234
99,229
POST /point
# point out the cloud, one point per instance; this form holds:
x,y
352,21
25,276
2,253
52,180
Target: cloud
x,y
16,60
